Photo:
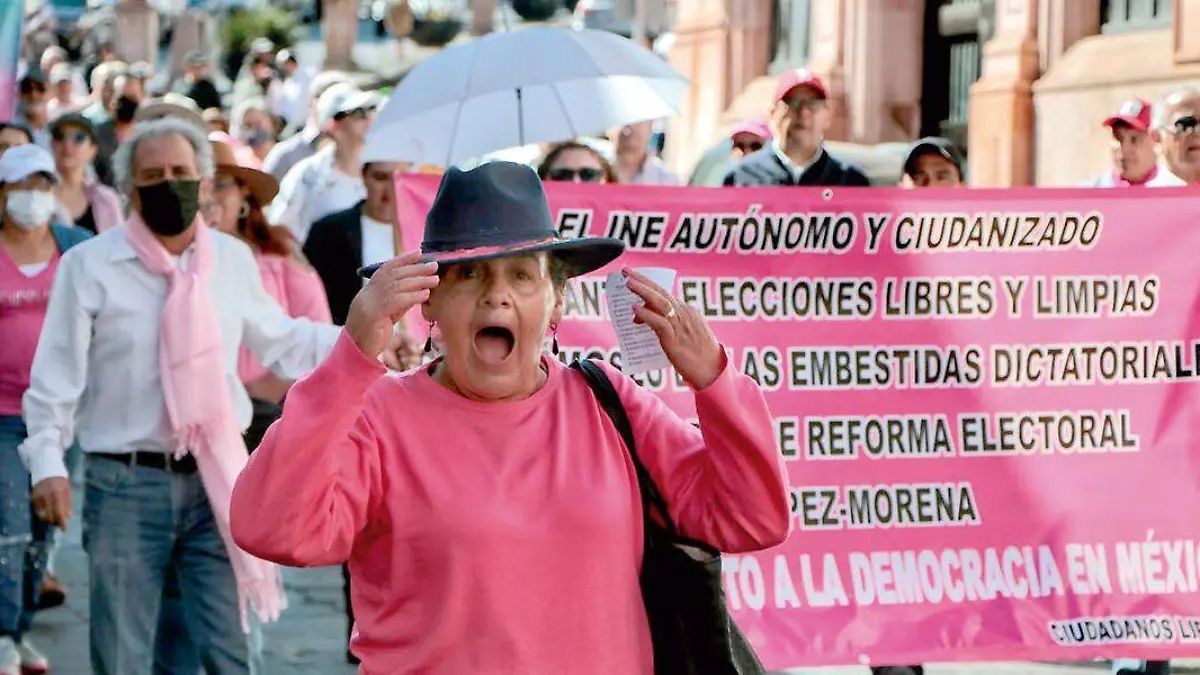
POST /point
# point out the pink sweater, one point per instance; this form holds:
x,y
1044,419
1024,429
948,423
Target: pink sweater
x,y
501,537
298,291
22,312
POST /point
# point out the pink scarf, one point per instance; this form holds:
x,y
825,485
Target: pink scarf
x,y
199,406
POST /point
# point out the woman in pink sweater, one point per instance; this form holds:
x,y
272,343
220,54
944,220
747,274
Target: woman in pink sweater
x,y
488,508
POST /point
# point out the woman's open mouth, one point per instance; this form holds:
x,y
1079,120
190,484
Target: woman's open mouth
x,y
494,344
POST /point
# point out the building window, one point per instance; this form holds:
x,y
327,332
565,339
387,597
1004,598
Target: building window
x,y
1123,16
789,39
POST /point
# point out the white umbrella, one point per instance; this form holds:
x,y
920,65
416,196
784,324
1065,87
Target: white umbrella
x,y
506,90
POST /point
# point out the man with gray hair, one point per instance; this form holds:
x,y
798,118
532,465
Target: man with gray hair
x,y
304,143
1175,121
138,360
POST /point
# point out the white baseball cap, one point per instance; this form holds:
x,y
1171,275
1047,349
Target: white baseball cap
x,y
344,98
22,161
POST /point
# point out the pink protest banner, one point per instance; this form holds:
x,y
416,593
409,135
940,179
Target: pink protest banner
x,y
988,401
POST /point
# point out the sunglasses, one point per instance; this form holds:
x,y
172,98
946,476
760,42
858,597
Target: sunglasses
x,y
358,114
77,137
747,148
585,175
1185,125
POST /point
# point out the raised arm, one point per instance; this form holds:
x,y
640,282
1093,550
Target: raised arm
x,y
306,492
308,489
724,483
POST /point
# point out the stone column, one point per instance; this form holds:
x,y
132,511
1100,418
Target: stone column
x,y
701,52
827,58
339,24
1001,106
1062,23
883,56
483,18
137,32
1185,31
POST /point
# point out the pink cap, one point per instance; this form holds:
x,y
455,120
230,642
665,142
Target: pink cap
x,y
1134,113
754,127
800,77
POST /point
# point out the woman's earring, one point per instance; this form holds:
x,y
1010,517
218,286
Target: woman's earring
x,y
429,339
554,340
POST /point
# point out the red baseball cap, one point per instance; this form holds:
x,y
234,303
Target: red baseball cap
x,y
1134,113
800,77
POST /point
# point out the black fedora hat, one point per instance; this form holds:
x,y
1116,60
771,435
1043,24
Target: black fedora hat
x,y
499,209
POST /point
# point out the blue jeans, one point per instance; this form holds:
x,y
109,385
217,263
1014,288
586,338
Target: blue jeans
x,y
24,540
138,524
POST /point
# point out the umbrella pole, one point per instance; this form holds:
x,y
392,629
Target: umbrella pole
x,y
520,120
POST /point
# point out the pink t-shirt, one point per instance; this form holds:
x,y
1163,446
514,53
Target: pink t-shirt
x,y
500,537
298,291
23,302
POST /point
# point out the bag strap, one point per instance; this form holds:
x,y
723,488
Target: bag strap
x,y
610,402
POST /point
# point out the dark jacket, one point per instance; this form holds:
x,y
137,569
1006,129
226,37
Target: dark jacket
x,y
106,147
334,249
764,169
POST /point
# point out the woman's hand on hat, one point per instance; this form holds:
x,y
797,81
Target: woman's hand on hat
x,y
685,337
399,285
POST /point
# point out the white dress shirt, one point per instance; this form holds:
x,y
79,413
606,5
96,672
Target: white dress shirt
x,y
95,373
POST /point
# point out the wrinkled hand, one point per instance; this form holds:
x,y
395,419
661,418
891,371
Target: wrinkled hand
x,y
685,337
395,288
52,501
403,352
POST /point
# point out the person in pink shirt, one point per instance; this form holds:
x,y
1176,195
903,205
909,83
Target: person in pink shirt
x,y
240,193
30,248
489,511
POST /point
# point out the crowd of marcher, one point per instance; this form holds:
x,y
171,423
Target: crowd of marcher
x,y
215,238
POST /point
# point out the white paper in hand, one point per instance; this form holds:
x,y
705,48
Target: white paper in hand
x,y
640,350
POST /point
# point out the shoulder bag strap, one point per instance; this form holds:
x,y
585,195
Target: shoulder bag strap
x,y
610,402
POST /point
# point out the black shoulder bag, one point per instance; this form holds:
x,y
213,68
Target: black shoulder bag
x,y
690,625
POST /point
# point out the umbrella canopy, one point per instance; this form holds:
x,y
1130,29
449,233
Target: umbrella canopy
x,y
534,85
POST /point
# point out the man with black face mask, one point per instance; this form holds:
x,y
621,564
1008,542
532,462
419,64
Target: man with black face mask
x,y
138,360
127,97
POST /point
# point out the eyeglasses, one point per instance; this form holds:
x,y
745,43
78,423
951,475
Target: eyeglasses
x,y
357,113
798,104
584,175
76,136
747,148
1185,125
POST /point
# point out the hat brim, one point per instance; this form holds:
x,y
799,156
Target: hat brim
x,y
1127,120
262,186
922,149
580,256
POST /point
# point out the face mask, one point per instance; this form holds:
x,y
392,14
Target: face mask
x,y
30,209
255,137
170,206
126,108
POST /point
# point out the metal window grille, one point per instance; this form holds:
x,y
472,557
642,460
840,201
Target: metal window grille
x,y
1124,16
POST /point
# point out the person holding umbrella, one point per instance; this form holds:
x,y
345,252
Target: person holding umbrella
x,y
485,498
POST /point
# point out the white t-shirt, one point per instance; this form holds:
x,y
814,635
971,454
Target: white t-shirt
x,y
378,241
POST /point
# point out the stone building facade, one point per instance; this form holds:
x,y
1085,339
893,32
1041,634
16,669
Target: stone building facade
x,y
1023,85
